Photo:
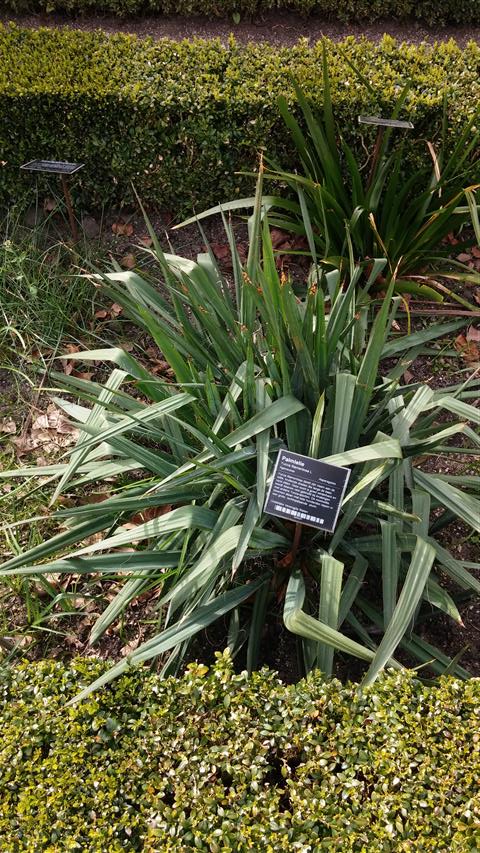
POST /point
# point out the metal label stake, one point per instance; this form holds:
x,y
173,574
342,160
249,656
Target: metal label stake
x,y
381,123
64,169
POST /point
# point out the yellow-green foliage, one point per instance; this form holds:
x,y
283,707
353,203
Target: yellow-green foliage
x,y
219,762
179,118
430,11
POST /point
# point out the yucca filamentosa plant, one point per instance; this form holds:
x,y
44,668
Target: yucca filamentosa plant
x,y
260,364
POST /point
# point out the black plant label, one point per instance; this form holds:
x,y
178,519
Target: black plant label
x,y
307,491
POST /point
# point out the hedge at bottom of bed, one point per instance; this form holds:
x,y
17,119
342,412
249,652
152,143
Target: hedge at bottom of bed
x,y
216,761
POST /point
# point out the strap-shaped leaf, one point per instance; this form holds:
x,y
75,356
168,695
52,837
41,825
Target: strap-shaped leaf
x,y
58,542
329,605
279,410
111,564
412,591
344,391
465,506
178,519
459,407
257,499
404,343
390,569
303,625
388,449
149,413
352,587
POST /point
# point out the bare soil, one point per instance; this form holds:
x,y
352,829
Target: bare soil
x,y
274,28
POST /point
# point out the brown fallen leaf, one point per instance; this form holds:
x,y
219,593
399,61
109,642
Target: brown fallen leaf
x,y
37,353
130,647
116,309
66,501
220,250
128,261
54,419
464,257
278,237
122,229
49,205
95,497
101,314
476,295
157,364
450,238
8,426
408,376
473,334
50,431
82,374
145,240
475,251
467,349
148,514
153,353
159,367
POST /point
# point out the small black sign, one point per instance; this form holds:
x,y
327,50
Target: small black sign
x,y
306,490
55,167
385,122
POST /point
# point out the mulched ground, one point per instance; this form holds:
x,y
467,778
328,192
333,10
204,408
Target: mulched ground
x,y
275,28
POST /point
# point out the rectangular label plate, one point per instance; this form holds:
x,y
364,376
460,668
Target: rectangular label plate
x,y
385,122
307,491
56,167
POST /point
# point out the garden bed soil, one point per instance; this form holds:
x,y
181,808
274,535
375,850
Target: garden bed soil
x,y
274,27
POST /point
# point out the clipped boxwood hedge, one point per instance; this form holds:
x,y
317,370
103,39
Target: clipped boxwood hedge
x,y
179,119
430,11
217,762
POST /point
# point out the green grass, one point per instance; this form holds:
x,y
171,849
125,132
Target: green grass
x,y
25,606
45,303
43,294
